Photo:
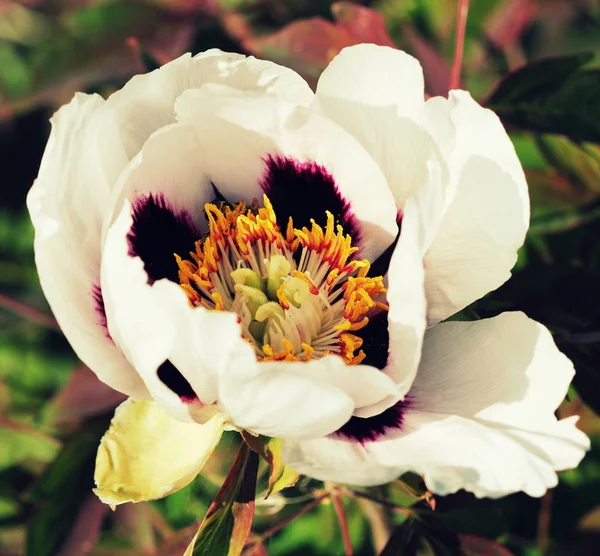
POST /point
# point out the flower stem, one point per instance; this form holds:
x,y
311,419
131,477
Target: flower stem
x,y
339,510
27,312
459,45
279,526
357,493
543,532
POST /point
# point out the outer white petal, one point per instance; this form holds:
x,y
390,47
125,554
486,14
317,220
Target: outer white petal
x,y
482,417
377,94
146,103
238,131
155,324
67,204
488,213
375,76
406,276
483,411
331,459
132,312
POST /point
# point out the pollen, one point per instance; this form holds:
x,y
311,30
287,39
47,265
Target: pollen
x,y
299,293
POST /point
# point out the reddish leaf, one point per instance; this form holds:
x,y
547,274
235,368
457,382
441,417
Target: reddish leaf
x,y
83,396
306,45
435,69
86,529
133,524
257,549
178,541
509,20
364,24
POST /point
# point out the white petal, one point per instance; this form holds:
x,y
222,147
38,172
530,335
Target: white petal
x,y
132,312
376,93
206,343
488,212
458,453
376,76
406,275
371,390
331,459
238,131
170,164
506,369
67,204
482,415
154,324
284,400
146,103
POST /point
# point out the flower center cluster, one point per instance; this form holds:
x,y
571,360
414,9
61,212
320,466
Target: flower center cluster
x,y
298,293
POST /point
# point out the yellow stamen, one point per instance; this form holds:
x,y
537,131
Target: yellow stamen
x,y
246,260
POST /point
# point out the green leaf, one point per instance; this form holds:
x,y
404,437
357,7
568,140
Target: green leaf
x,y
475,546
22,444
61,490
579,163
22,25
482,518
227,524
555,95
15,75
404,540
281,476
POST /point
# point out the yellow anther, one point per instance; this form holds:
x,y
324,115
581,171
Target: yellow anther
x,y
283,300
218,301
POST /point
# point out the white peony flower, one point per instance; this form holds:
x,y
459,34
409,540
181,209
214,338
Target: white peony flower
x,y
217,238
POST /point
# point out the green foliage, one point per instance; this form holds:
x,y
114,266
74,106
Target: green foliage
x,y
556,95
61,490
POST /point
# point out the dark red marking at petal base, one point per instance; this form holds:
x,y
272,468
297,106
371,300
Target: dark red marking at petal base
x,y
175,381
380,266
305,191
100,308
157,232
376,340
371,429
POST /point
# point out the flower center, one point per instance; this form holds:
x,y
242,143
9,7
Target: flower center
x,y
298,294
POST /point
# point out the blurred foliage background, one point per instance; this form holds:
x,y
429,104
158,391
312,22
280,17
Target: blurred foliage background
x,y
53,411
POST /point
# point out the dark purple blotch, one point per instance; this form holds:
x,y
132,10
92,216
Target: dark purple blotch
x,y
305,191
157,233
100,308
372,428
376,340
175,381
381,265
